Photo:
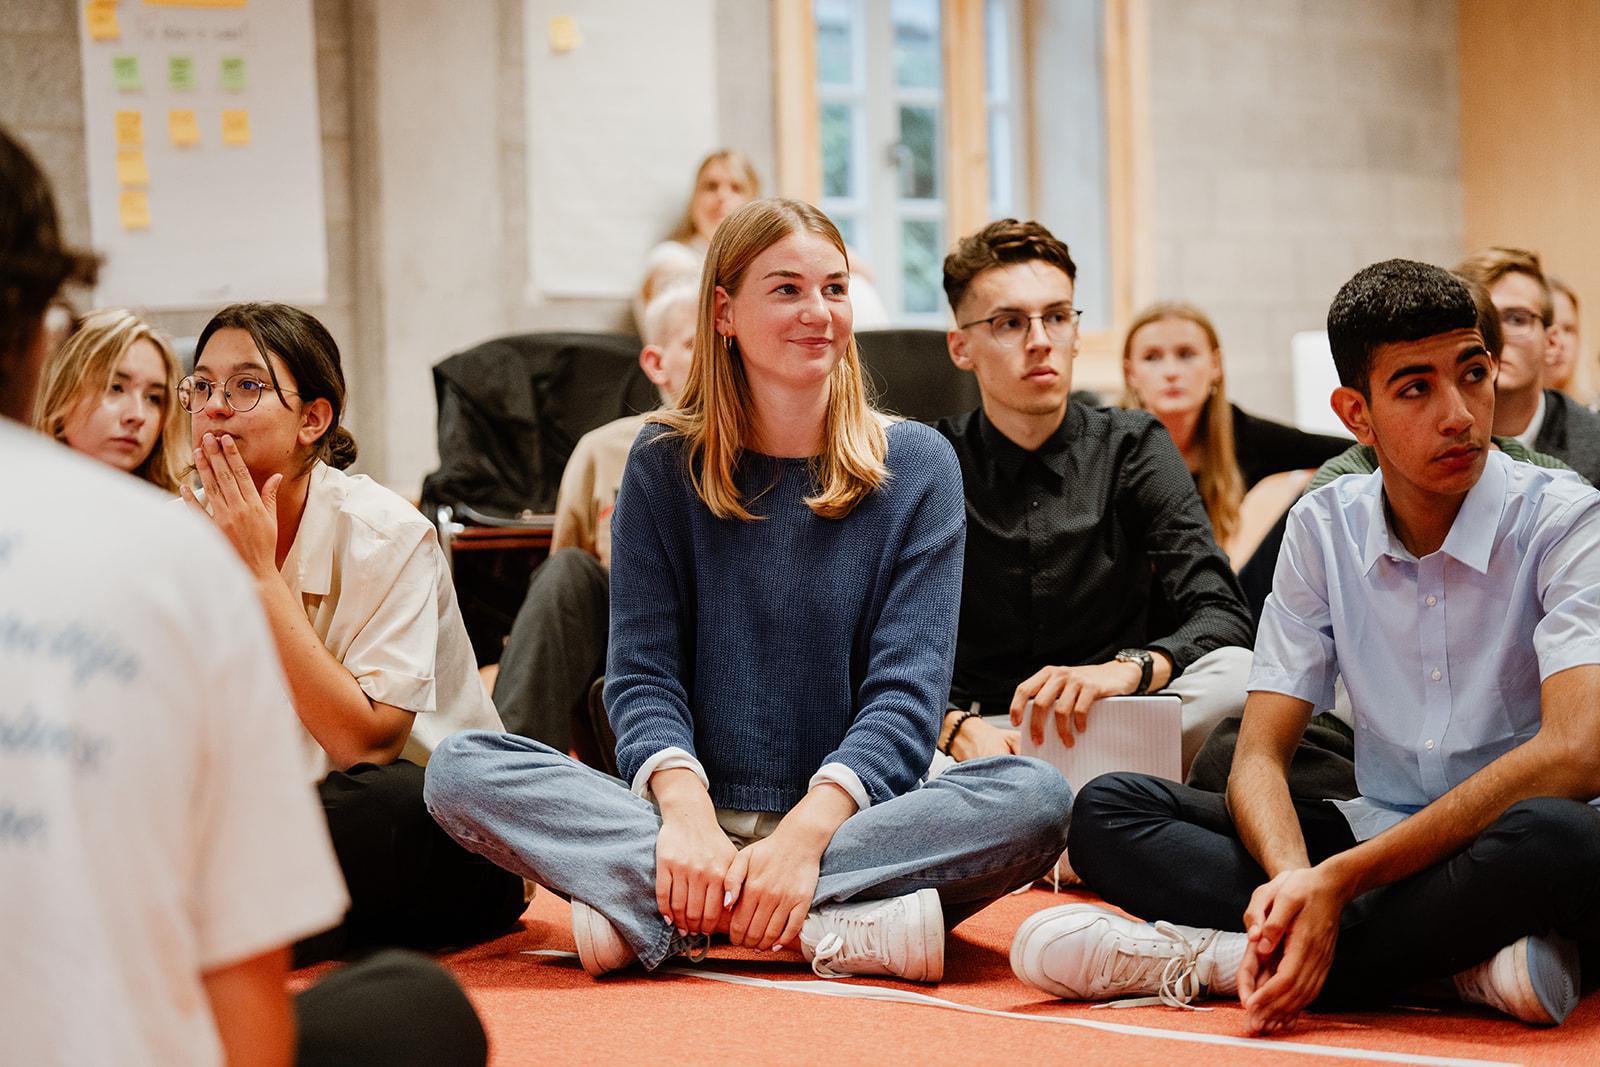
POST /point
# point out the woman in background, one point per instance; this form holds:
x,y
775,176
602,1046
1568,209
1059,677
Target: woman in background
x,y
726,181
1172,367
110,393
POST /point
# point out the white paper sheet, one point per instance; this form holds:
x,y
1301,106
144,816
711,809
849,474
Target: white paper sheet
x,y
1142,734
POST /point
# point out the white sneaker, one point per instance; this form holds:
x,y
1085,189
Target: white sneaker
x,y
1534,979
601,949
902,937
1085,952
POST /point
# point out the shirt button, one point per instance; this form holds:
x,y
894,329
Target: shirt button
x,y
1436,677
1430,744
1035,504
1432,601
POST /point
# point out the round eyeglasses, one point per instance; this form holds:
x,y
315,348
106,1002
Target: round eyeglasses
x,y
241,392
1010,328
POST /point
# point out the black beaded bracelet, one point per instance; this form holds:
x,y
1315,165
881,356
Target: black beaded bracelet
x,y
956,729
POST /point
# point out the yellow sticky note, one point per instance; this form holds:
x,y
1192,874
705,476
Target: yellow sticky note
x,y
133,205
236,126
564,35
131,168
182,127
101,17
130,129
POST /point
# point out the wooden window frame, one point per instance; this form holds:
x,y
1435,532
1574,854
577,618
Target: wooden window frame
x,y
1126,50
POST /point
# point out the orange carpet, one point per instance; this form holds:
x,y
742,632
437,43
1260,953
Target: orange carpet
x,y
541,1010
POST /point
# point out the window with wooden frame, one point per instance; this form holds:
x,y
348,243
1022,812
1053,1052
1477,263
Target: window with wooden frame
x,y
912,122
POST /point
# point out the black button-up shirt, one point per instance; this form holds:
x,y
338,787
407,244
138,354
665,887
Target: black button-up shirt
x,y
1082,548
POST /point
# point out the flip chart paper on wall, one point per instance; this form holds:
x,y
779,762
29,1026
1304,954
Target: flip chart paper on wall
x,y
233,208
600,203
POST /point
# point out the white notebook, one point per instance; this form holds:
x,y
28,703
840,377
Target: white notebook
x,y
1142,734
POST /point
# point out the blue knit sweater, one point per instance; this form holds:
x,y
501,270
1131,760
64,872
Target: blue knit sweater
x,y
768,648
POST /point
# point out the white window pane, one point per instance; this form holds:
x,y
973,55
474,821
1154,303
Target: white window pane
x,y
919,155
997,50
921,265
835,42
916,43
1002,197
838,150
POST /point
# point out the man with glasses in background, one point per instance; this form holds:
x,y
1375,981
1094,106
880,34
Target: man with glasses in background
x,y
1545,420
1091,570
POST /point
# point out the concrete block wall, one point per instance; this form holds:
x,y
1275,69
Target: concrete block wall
x,y
1293,142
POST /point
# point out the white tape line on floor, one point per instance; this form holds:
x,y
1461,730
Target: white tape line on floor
x,y
867,991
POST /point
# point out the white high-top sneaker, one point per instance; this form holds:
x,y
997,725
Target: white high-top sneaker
x,y
902,937
1086,952
601,949
1534,979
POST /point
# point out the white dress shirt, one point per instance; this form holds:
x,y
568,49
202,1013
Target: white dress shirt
x,y
1443,656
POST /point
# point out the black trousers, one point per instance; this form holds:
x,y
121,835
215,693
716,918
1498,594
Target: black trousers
x,y
555,651
1166,851
391,1009
410,884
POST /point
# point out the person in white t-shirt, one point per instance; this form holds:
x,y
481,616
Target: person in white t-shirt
x,y
158,850
364,617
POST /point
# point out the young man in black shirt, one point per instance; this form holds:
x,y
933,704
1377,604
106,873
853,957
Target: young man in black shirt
x,y
1091,570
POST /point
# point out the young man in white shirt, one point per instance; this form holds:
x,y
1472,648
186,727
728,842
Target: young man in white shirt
x,y
159,846
1458,594
557,646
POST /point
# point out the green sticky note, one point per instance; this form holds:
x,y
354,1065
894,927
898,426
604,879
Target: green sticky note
x,y
180,72
125,73
233,73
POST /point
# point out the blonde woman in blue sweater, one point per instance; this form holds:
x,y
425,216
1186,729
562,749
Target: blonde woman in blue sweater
x,y
786,571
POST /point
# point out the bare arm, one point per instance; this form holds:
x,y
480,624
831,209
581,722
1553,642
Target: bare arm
x,y
350,726
1258,785
1562,760
252,1010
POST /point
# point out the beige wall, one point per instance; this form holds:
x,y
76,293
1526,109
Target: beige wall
x,y
1290,144
1530,138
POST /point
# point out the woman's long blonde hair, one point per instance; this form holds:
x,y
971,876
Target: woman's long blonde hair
x,y
1219,479
87,363
715,413
739,163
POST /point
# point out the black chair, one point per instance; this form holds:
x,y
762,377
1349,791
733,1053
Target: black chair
x,y
510,412
912,375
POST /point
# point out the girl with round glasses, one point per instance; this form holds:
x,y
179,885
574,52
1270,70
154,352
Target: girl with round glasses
x,y
1172,367
109,393
364,619
786,567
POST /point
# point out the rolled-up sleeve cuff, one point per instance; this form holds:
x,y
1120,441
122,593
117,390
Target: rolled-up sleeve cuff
x,y
1316,691
666,760
846,779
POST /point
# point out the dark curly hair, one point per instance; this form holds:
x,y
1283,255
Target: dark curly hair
x,y
1396,300
997,244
